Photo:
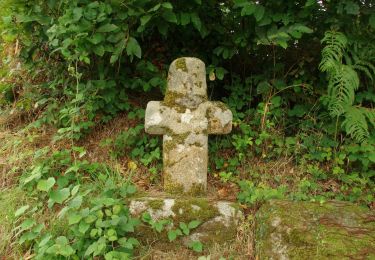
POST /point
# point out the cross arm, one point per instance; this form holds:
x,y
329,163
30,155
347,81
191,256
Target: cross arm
x,y
155,121
219,118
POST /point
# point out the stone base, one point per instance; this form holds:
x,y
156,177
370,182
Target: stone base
x,y
218,218
307,230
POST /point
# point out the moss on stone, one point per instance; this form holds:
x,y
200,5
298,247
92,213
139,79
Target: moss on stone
x,y
170,99
156,204
181,64
172,187
217,232
306,230
185,211
197,190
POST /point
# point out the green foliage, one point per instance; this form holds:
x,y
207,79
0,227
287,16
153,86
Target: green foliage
x,y
343,82
298,77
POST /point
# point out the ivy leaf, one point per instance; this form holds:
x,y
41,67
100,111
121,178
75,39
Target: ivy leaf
x,y
58,196
259,12
133,48
170,16
46,185
220,73
21,210
107,28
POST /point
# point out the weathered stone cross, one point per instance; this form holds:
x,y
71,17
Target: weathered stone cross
x,y
185,118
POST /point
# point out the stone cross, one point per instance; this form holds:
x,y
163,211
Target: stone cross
x,y
185,119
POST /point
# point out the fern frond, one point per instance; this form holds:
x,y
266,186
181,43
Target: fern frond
x,y
370,114
355,124
366,67
343,82
336,43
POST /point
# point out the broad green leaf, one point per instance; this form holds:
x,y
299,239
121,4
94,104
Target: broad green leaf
x,y
83,227
27,224
145,19
197,246
46,185
62,240
99,50
352,8
107,28
196,21
131,189
310,3
248,9
194,224
259,12
372,21
220,73
35,174
184,228
45,239
133,48
167,5
96,38
75,190
77,13
172,235
74,218
301,28
28,236
58,196
198,2
21,210
155,8
113,58
184,18
282,43
169,16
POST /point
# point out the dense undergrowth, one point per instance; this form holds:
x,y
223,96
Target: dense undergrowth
x,y
75,79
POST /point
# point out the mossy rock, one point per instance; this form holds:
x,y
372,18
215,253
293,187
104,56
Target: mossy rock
x,y
218,219
308,230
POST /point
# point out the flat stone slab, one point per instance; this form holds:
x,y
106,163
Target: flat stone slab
x,y
308,230
218,219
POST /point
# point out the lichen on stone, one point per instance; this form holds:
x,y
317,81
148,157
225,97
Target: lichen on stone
x,y
181,64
